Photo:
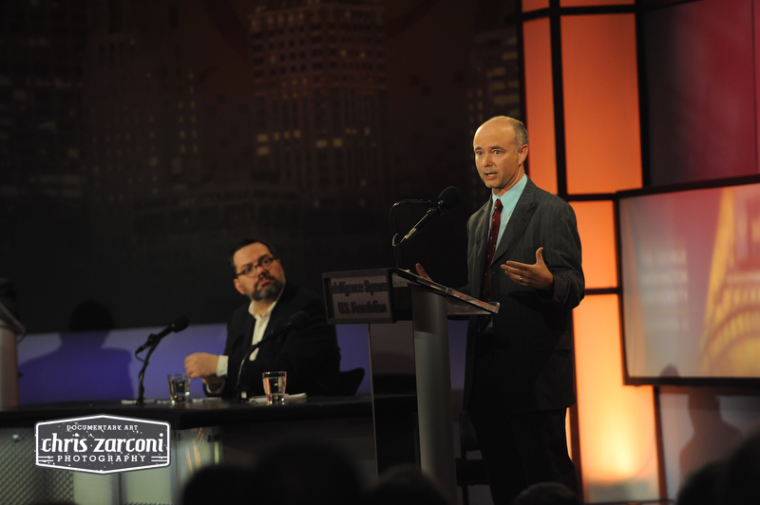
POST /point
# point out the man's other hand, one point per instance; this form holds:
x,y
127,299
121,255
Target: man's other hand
x,y
421,272
201,364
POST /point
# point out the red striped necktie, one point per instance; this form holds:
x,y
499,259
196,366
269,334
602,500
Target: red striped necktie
x,y
493,236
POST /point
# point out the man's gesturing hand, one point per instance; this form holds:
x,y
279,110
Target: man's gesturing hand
x,y
535,276
201,364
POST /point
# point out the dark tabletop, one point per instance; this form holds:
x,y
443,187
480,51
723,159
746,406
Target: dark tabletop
x,y
196,413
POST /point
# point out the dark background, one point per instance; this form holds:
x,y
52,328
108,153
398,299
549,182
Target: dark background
x,y
130,133
129,137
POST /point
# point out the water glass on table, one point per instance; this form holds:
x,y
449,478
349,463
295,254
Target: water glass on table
x,y
274,386
179,387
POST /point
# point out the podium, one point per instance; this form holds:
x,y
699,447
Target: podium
x,y
10,327
385,296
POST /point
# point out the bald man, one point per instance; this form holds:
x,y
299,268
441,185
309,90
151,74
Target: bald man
x,y
519,367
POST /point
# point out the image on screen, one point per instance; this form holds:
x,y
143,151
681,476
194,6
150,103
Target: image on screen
x,y
691,283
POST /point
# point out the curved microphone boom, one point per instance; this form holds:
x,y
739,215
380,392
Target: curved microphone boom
x,y
178,324
297,321
448,199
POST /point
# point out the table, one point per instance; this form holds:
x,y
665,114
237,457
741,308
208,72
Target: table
x,y
204,432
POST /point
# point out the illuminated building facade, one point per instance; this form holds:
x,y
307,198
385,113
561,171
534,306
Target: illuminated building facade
x,y
41,48
319,100
494,87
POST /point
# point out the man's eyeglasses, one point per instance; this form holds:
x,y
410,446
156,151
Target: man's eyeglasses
x,y
250,270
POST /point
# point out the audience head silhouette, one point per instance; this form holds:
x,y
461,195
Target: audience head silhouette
x,y
738,480
306,472
699,487
547,493
226,484
405,485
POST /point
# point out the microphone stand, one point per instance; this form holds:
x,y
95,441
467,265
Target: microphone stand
x,y
267,338
394,242
238,389
141,376
253,347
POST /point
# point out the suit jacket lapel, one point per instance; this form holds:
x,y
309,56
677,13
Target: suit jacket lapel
x,y
480,232
243,339
281,312
519,220
275,321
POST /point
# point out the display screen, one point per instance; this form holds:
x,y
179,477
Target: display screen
x,y
691,283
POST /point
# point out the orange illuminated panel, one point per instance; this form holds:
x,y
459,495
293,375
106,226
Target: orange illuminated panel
x,y
532,5
616,422
596,225
539,104
595,3
601,103
756,34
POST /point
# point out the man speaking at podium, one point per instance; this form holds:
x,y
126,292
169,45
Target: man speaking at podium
x,y
523,251
285,323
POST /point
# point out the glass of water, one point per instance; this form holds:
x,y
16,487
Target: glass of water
x,y
179,387
274,386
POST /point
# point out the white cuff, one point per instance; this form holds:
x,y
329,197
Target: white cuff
x,y
221,366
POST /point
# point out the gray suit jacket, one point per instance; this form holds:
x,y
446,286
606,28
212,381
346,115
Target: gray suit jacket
x,y
528,362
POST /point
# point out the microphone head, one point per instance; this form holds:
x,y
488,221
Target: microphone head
x,y
179,324
449,198
299,320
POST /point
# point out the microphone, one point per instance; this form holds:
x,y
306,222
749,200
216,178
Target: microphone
x,y
8,320
8,312
448,198
297,321
410,201
177,325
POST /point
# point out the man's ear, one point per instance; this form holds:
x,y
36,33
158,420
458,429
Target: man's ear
x,y
523,153
238,287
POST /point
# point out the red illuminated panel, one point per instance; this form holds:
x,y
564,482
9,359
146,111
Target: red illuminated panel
x,y
601,103
595,3
596,225
539,104
532,5
616,422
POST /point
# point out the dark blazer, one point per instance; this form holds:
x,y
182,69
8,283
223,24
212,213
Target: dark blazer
x,y
310,355
529,358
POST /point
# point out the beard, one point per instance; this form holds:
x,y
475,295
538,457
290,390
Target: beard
x,y
269,292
